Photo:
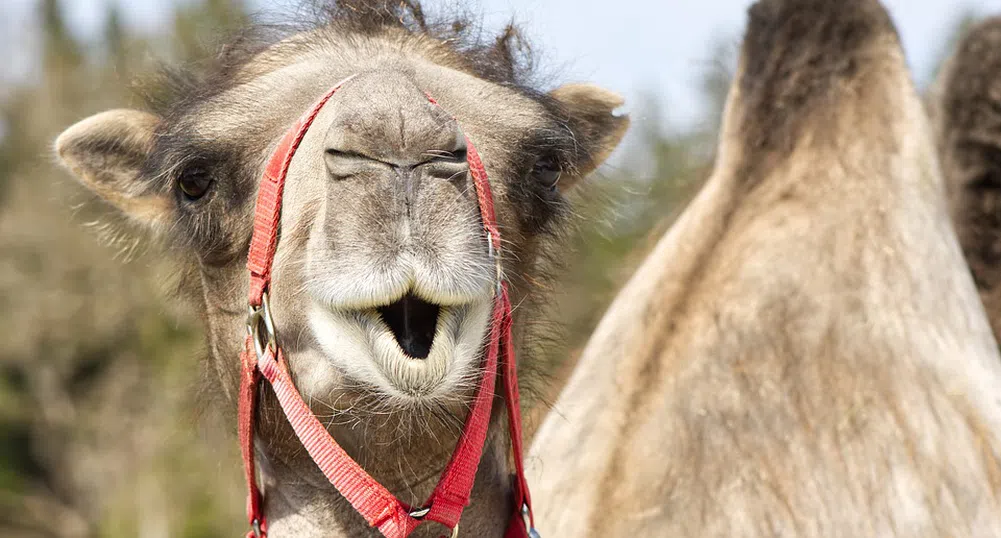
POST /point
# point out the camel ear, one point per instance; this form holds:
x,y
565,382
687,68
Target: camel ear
x,y
106,153
598,130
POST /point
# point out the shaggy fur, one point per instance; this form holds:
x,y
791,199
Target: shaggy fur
x,y
804,353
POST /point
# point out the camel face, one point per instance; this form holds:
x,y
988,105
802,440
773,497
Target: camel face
x,y
383,273
383,281
410,308
966,110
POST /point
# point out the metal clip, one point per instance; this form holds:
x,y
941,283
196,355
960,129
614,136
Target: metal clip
x,y
419,513
258,318
532,533
256,526
494,254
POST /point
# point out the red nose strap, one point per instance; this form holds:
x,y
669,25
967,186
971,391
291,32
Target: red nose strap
x,y
263,355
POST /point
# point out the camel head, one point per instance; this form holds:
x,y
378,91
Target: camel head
x,y
382,284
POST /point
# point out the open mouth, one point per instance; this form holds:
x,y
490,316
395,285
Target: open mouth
x,y
413,322
409,345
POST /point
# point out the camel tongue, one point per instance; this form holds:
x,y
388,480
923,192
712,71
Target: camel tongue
x,y
413,322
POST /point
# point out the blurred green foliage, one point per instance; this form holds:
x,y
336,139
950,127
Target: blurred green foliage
x,y
101,431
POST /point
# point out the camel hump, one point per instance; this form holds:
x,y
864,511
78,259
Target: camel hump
x,y
971,89
804,59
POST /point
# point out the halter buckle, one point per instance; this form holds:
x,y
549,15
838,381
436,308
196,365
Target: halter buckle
x,y
255,526
261,327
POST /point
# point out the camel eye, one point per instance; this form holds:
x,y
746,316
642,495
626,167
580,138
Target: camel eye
x,y
547,171
194,183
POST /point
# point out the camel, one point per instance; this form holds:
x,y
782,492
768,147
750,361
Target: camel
x,y
382,280
965,104
804,352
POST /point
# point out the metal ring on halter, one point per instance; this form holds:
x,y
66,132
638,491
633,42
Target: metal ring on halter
x,y
419,514
256,527
494,254
256,318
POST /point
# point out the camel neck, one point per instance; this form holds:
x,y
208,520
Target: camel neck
x,y
301,503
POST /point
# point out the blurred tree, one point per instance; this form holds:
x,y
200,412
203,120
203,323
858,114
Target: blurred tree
x,y
197,24
61,54
116,40
97,408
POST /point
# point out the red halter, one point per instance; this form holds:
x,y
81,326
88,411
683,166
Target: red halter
x,y
262,355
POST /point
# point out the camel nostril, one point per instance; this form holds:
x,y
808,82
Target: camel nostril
x,y
337,164
344,164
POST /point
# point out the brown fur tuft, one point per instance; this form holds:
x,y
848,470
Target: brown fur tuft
x,y
454,37
798,58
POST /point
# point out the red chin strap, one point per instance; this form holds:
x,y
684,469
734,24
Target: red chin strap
x,y
263,356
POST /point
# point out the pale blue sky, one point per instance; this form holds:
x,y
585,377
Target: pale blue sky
x,y
631,46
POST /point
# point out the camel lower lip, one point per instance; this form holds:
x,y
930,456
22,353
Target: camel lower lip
x,y
413,323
